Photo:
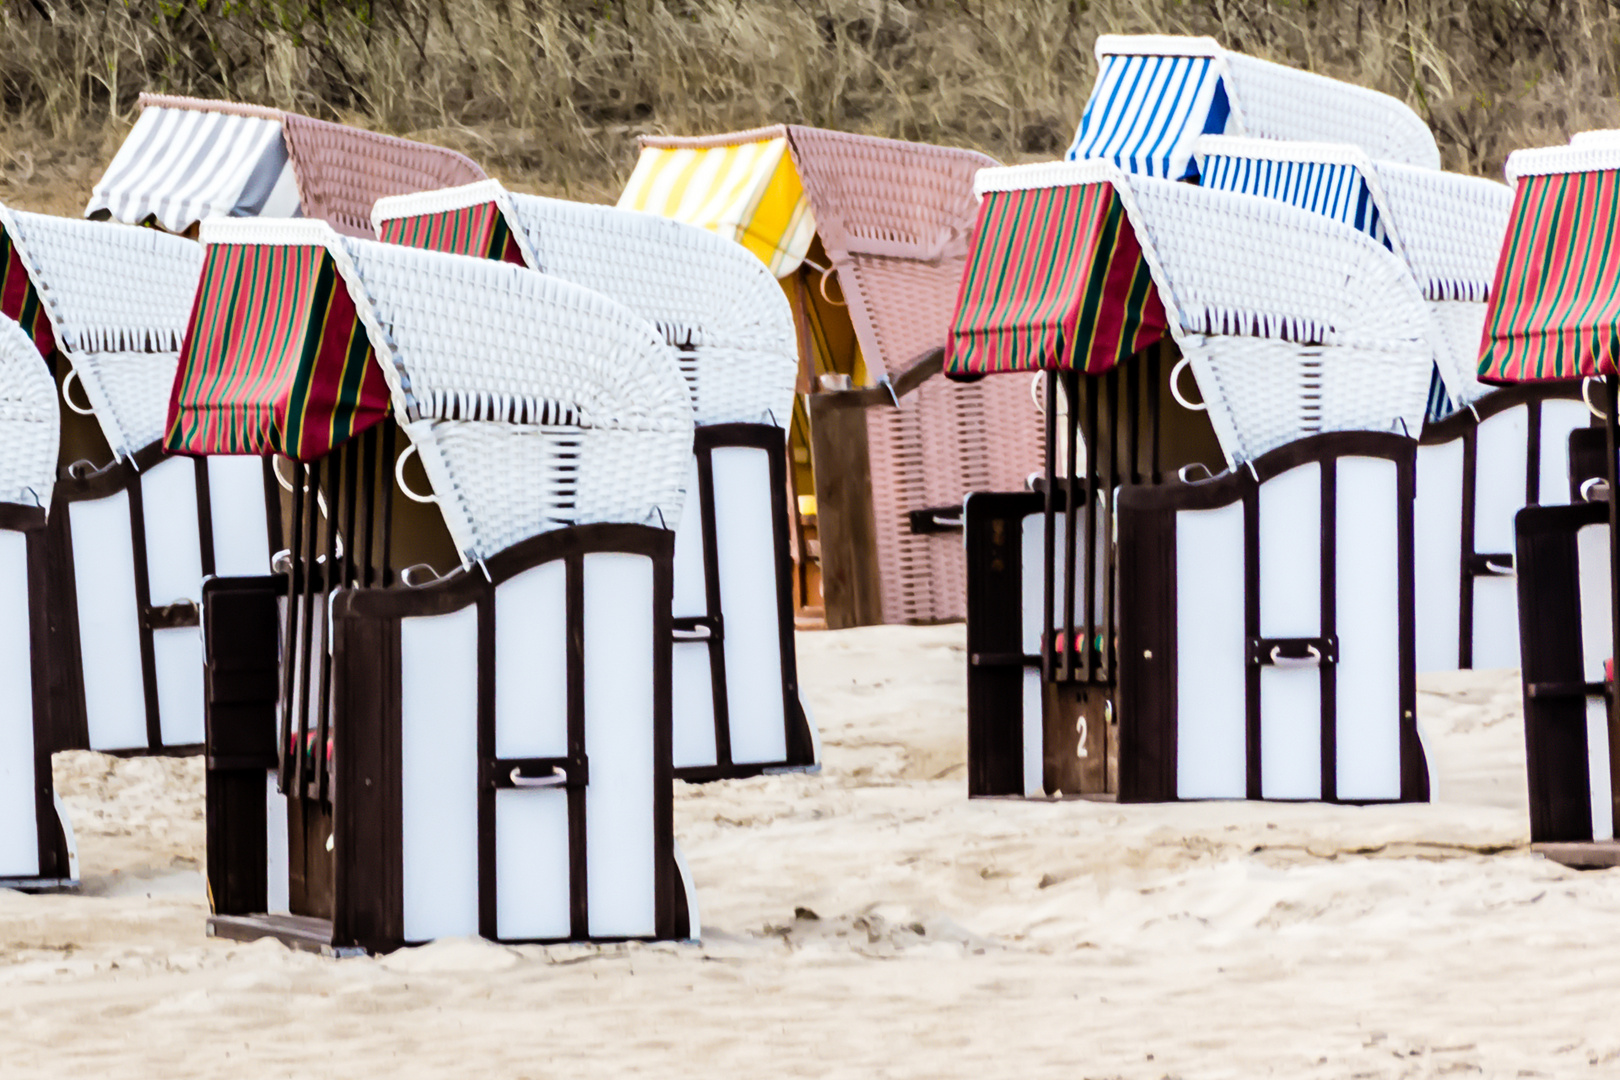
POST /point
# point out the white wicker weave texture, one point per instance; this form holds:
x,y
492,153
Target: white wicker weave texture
x,y
1293,324
119,299
1277,102
534,403
29,421
716,304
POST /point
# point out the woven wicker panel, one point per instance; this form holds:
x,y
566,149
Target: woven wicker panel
x,y
29,420
342,170
895,218
945,440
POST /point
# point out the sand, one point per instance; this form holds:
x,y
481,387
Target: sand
x,y
870,921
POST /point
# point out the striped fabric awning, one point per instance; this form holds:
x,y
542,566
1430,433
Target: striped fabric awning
x,y
1057,281
188,161
744,187
1145,112
1334,189
275,360
1555,306
19,299
480,230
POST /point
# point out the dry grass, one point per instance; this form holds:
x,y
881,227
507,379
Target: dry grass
x,y
550,94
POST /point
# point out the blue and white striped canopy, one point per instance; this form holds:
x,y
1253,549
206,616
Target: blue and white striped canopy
x,y
1145,112
1333,189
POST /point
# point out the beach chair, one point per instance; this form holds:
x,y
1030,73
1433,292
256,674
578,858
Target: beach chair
x,y
482,752
1258,642
37,849
1155,95
1448,229
867,236
1553,319
188,159
737,710
132,532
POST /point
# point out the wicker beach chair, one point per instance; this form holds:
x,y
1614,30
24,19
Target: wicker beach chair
x,y
1553,319
895,452
1155,95
1268,606
188,159
1448,229
516,709
736,699
133,533
36,837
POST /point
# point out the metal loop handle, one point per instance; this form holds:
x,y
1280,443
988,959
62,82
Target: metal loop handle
x,y
1175,389
825,274
1590,485
287,485
1313,660
696,633
1181,473
67,398
1500,570
946,522
409,574
1586,396
558,777
399,478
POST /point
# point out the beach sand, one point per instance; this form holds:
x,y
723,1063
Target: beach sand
x,y
871,921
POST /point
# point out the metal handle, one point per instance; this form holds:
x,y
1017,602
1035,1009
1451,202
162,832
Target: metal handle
x,y
697,633
1175,389
1499,569
1590,486
1313,660
558,777
1181,473
947,522
1586,396
67,399
399,478
826,272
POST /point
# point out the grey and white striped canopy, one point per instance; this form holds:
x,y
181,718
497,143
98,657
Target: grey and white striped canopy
x,y
181,165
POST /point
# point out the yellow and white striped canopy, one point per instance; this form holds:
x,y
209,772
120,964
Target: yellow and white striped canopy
x,y
744,187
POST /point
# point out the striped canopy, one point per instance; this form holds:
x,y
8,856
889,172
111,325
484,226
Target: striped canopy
x,y
1056,281
1334,189
19,299
1145,112
480,230
1555,306
275,359
185,161
744,187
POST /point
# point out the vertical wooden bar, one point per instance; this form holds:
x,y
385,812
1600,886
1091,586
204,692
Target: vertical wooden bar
x,y
1049,530
1093,442
329,580
1109,493
368,523
289,639
1154,476
1072,387
1611,387
387,467
1133,410
350,493
308,477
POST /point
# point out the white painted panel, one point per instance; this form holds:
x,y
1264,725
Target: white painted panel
x,y
1033,554
531,864
693,682
19,825
109,624
236,502
277,888
1368,594
1291,732
1291,553
531,663
691,599
745,537
1558,419
1598,783
1437,554
1502,441
438,663
1496,622
177,655
1034,734
619,741
173,549
1211,706
1597,633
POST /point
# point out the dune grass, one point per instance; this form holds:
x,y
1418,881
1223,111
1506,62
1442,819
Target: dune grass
x,y
550,94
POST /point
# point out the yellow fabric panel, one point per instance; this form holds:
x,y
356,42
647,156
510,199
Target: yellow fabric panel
x,y
749,193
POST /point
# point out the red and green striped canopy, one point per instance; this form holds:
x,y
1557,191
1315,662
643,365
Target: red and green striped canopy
x,y
479,230
19,300
1555,306
275,359
1056,281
